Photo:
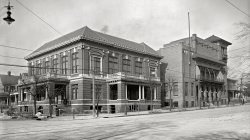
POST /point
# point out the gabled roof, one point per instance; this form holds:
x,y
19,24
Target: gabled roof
x,y
89,34
214,38
8,80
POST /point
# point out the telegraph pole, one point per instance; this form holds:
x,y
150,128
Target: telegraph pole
x,y
93,88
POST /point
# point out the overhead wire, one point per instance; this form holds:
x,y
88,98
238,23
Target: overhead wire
x,y
237,8
7,46
36,15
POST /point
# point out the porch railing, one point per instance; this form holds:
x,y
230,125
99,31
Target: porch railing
x,y
120,75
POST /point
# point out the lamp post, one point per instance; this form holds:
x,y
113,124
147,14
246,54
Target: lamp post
x,y
9,19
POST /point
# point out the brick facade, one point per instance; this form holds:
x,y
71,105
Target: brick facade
x,y
87,51
186,66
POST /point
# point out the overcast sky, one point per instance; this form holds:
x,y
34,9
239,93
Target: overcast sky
x,y
155,22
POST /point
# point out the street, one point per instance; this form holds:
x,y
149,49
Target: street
x,y
212,124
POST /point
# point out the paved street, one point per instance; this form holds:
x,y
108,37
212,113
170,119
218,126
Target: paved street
x,y
212,124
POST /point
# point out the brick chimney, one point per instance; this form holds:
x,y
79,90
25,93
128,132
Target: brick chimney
x,y
9,73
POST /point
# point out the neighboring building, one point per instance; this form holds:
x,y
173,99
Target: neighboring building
x,y
64,69
8,90
198,72
232,87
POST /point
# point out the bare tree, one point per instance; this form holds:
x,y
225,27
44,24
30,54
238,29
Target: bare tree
x,y
98,93
244,33
170,82
33,90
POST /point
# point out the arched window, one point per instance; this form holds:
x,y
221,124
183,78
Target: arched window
x,y
220,77
197,73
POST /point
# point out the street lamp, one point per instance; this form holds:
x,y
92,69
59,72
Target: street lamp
x,y
9,19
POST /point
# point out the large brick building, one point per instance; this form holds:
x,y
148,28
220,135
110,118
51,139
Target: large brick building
x,y
198,72
63,70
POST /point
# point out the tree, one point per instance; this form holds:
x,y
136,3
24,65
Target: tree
x,y
33,89
98,93
244,33
170,83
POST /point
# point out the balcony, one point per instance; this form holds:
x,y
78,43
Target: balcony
x,y
123,75
209,59
209,79
224,57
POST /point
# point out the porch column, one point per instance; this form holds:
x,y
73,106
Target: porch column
x,y
126,91
143,97
15,98
139,92
21,94
46,94
155,93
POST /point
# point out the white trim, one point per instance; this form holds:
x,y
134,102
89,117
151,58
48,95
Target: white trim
x,y
126,91
139,92
143,96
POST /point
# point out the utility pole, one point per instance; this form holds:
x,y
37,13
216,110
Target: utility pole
x,y
93,88
189,52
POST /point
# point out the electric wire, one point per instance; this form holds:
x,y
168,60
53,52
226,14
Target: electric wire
x,y
7,46
36,15
237,8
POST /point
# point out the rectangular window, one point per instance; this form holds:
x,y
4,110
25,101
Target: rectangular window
x,y
192,103
39,68
55,65
46,67
192,89
113,64
152,71
113,92
175,104
126,65
175,89
138,67
74,91
64,65
186,103
26,108
186,88
74,62
96,64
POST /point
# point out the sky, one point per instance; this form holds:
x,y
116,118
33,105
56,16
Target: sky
x,y
155,22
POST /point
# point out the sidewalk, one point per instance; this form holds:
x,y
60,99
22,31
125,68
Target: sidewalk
x,y
106,115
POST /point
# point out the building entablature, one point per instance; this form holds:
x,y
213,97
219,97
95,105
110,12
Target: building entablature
x,y
121,76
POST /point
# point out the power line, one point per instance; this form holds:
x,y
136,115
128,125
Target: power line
x,y
25,66
15,48
237,49
38,17
237,8
12,57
